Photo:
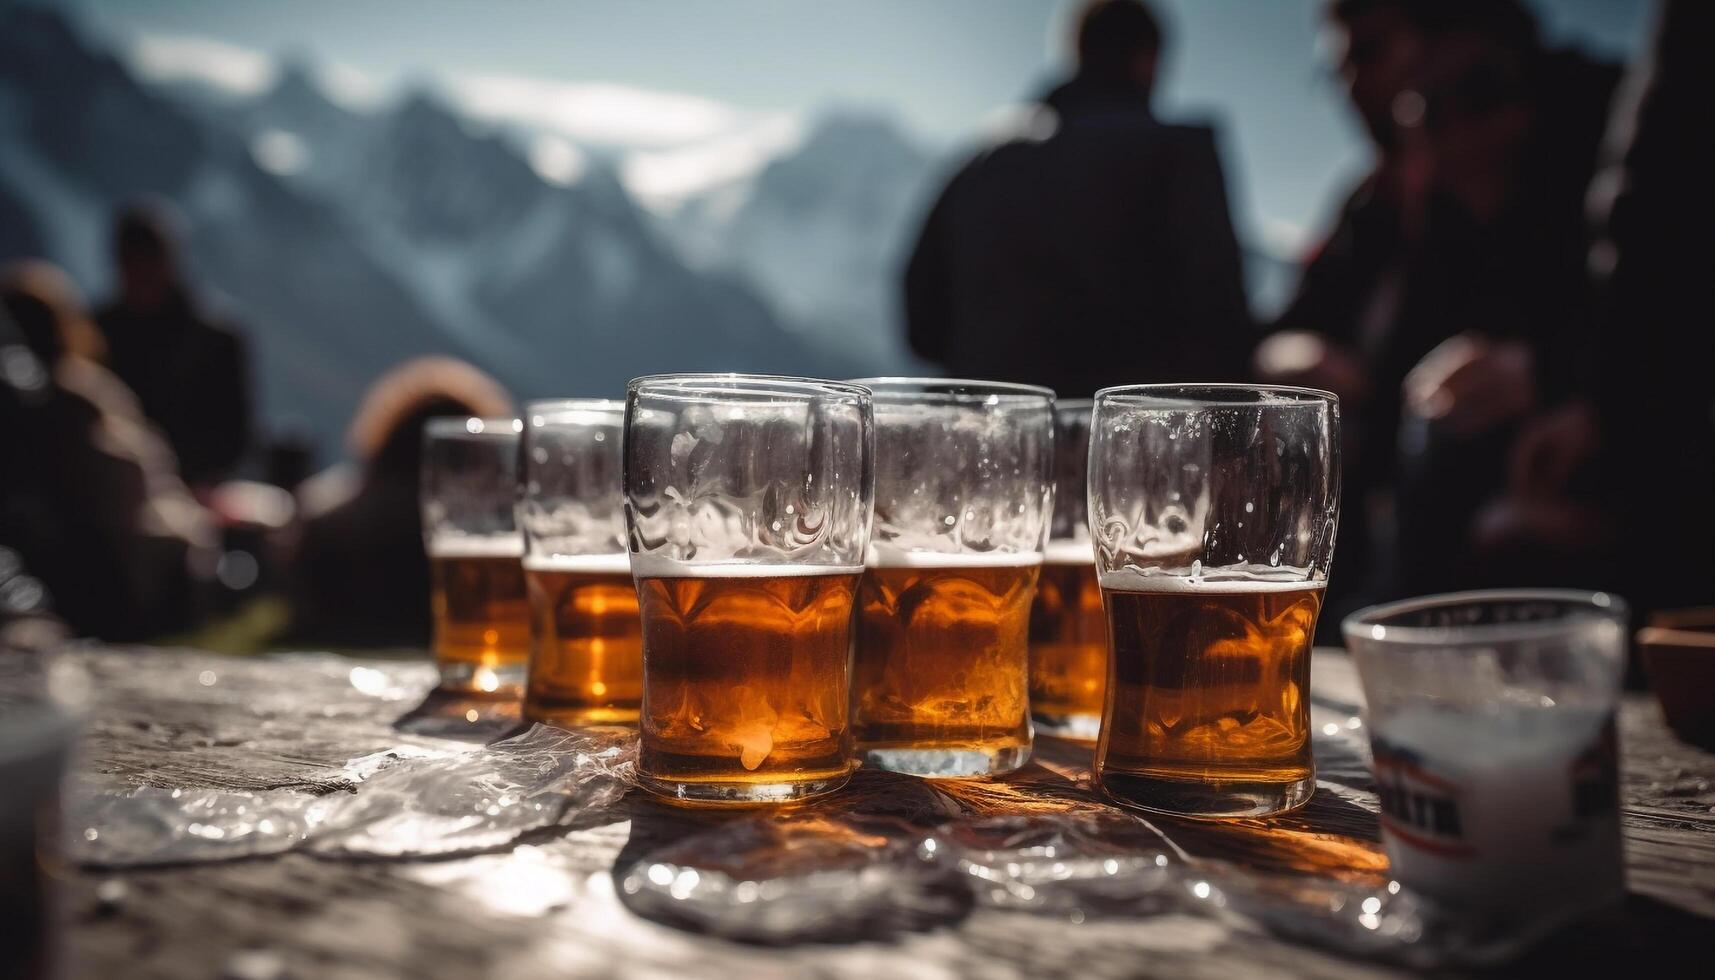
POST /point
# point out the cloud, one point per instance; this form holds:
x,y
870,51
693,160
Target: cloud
x,y
663,177
229,67
599,113
242,71
1284,239
669,144
348,86
557,161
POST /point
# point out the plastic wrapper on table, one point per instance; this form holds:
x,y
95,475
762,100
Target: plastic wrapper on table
x,y
797,878
1081,864
1073,863
408,802
483,799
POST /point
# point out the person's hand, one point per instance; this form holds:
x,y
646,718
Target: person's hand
x,y
1550,448
1298,357
1469,384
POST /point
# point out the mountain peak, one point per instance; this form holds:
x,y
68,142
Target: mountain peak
x,y
298,91
846,139
423,107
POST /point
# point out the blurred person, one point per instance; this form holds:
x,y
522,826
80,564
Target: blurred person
x,y
190,371
359,573
90,500
1613,487
27,620
1450,298
1093,247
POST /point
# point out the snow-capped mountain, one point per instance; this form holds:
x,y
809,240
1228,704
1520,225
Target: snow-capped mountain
x,y
79,137
348,241
822,230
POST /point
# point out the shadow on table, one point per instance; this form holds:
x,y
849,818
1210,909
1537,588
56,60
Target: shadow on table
x,y
838,870
846,867
1643,934
454,715
1330,835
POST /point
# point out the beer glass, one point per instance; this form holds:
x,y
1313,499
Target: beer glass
x,y
1491,717
1213,509
481,618
1068,636
586,642
747,503
964,486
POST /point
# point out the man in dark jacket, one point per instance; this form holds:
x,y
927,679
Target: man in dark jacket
x,y
1451,297
190,372
1092,248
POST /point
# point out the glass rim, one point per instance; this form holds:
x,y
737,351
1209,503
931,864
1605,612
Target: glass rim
x,y
472,427
573,404
1215,394
713,384
953,387
1365,623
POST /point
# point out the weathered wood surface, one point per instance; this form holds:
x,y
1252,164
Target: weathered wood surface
x,y
550,909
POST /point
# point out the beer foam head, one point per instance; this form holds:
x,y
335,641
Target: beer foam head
x,y
1247,578
883,556
1069,551
649,566
611,564
446,544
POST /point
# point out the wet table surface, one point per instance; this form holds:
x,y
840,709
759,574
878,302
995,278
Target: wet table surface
x,y
551,908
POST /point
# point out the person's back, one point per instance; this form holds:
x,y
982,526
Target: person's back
x,y
1093,248
190,372
359,575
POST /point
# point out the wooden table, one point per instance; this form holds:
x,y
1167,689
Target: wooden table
x,y
180,719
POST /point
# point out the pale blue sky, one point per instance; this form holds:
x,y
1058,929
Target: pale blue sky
x,y
942,66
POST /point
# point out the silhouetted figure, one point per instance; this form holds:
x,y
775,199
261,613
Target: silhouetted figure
x,y
1451,297
90,501
1614,489
360,576
27,619
1093,248
190,371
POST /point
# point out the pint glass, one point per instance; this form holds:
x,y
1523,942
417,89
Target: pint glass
x,y
586,647
963,491
747,503
1068,636
481,619
1213,509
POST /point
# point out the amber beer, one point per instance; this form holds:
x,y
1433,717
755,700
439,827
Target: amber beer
x,y
1210,709
941,679
1068,643
481,617
746,680
586,641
